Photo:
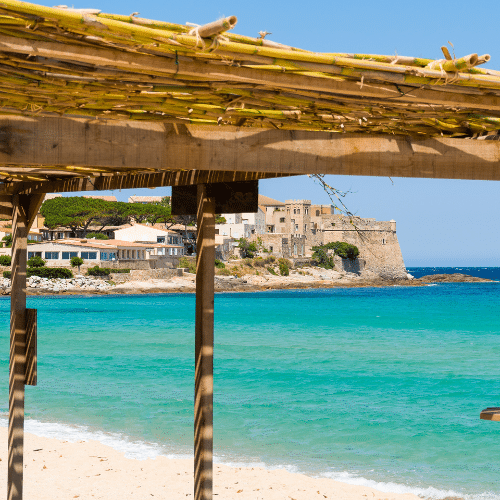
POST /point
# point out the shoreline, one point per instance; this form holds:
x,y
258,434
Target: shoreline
x,y
57,469
251,284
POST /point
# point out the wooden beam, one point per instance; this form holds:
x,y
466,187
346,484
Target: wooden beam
x,y
204,347
171,147
143,63
135,181
17,353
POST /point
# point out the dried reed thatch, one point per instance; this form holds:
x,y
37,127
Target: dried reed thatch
x,y
86,63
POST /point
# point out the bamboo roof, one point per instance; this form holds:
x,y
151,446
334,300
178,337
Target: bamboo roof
x,y
82,62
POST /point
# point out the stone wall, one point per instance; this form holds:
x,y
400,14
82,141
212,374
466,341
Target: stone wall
x,y
283,245
376,240
143,275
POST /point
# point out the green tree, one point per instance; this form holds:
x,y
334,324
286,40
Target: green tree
x,y
320,255
76,262
247,249
343,249
36,261
74,212
8,240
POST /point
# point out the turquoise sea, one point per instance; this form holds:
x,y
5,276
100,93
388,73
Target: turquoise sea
x,y
378,386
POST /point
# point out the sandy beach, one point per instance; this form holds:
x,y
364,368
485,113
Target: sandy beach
x,y
58,470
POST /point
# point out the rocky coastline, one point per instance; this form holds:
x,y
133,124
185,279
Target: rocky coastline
x,y
314,278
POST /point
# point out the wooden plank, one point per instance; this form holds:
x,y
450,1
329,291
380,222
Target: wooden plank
x,y
31,371
169,66
204,347
230,198
492,413
17,353
170,148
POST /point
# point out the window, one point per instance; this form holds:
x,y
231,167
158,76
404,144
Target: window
x,y
112,256
170,251
160,239
52,255
34,254
282,219
298,210
60,235
104,255
271,249
306,211
294,211
175,251
305,228
69,255
383,241
317,213
89,255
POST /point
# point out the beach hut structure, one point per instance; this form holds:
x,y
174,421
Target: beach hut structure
x,y
92,101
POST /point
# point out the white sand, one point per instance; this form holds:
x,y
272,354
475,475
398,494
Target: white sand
x,y
57,470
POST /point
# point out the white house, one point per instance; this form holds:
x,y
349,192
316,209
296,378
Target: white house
x,y
141,233
102,252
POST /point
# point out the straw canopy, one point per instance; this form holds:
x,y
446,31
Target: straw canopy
x,y
82,62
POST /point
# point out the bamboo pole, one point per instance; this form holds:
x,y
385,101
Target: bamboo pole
x,y
204,347
17,353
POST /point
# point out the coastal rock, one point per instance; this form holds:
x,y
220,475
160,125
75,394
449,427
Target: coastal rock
x,y
451,278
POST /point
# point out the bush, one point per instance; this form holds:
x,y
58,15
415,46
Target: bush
x,y
97,236
248,262
190,264
272,271
98,271
117,271
224,272
7,274
259,262
5,260
219,264
36,261
49,272
284,267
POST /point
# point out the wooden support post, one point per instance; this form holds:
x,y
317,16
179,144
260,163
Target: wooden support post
x,y
17,351
204,347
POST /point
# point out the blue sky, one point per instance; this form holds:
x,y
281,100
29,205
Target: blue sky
x,y
439,222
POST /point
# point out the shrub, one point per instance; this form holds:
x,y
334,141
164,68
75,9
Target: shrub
x,y
272,271
190,264
97,236
111,270
8,240
283,267
7,274
98,271
219,264
224,271
259,262
270,259
76,262
36,261
248,262
5,260
49,272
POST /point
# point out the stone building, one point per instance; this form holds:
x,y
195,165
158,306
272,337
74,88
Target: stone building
x,y
296,226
